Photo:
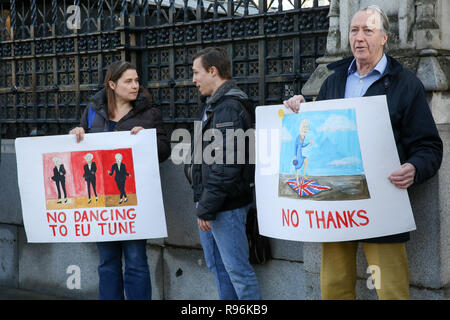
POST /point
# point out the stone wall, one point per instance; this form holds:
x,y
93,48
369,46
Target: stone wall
x,y
177,265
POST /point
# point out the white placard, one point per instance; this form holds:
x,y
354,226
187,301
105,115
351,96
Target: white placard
x,y
122,175
322,174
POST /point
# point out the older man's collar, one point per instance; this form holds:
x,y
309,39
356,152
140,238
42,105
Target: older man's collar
x,y
380,67
393,67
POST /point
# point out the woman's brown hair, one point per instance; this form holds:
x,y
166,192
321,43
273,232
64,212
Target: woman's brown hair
x,y
113,73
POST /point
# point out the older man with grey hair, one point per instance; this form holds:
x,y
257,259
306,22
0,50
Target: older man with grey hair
x,y
371,72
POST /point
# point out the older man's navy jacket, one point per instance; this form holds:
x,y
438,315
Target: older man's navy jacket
x,y
415,132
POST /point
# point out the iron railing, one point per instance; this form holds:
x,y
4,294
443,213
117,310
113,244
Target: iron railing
x,y
50,65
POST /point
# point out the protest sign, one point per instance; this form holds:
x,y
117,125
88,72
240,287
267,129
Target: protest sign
x,y
322,174
105,188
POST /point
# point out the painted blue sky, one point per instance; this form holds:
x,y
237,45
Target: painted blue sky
x,y
335,149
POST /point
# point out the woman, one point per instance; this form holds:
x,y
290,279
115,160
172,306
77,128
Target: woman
x,y
122,105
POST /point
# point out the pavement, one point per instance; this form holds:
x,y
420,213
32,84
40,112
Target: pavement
x,y
21,294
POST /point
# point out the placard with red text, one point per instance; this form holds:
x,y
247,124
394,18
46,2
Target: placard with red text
x,y
322,174
105,188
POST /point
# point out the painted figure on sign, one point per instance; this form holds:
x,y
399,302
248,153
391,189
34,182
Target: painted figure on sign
x,y
90,168
59,178
120,177
300,160
302,186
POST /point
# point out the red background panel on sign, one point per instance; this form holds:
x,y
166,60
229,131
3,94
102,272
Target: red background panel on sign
x,y
108,159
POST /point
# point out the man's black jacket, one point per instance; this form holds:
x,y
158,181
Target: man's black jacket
x,y
414,129
222,186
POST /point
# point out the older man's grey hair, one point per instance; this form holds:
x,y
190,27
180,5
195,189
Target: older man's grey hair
x,y
385,25
384,18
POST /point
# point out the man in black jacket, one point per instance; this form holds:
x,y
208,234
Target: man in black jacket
x,y
371,72
222,184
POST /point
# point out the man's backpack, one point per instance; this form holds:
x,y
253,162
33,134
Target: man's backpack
x,y
259,246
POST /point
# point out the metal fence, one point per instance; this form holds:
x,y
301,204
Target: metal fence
x,y
53,54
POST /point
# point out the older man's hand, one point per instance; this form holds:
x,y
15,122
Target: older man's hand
x,y
294,103
404,177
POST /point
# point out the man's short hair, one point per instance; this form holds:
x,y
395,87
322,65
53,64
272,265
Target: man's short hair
x,y
215,57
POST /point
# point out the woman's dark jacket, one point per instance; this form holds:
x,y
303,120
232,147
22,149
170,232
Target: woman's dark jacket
x,y
414,129
142,115
222,186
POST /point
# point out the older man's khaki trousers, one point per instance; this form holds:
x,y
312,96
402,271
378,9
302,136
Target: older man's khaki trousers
x,y
388,263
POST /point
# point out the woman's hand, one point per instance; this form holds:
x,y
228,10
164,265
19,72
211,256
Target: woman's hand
x,y
79,132
294,103
135,130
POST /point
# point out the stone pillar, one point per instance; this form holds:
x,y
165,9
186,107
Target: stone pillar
x,y
419,40
428,41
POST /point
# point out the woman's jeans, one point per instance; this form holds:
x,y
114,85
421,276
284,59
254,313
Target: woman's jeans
x,y
226,254
136,278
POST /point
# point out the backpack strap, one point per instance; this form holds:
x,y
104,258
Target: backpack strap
x,y
91,116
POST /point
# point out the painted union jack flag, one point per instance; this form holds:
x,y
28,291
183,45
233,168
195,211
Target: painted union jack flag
x,y
306,187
